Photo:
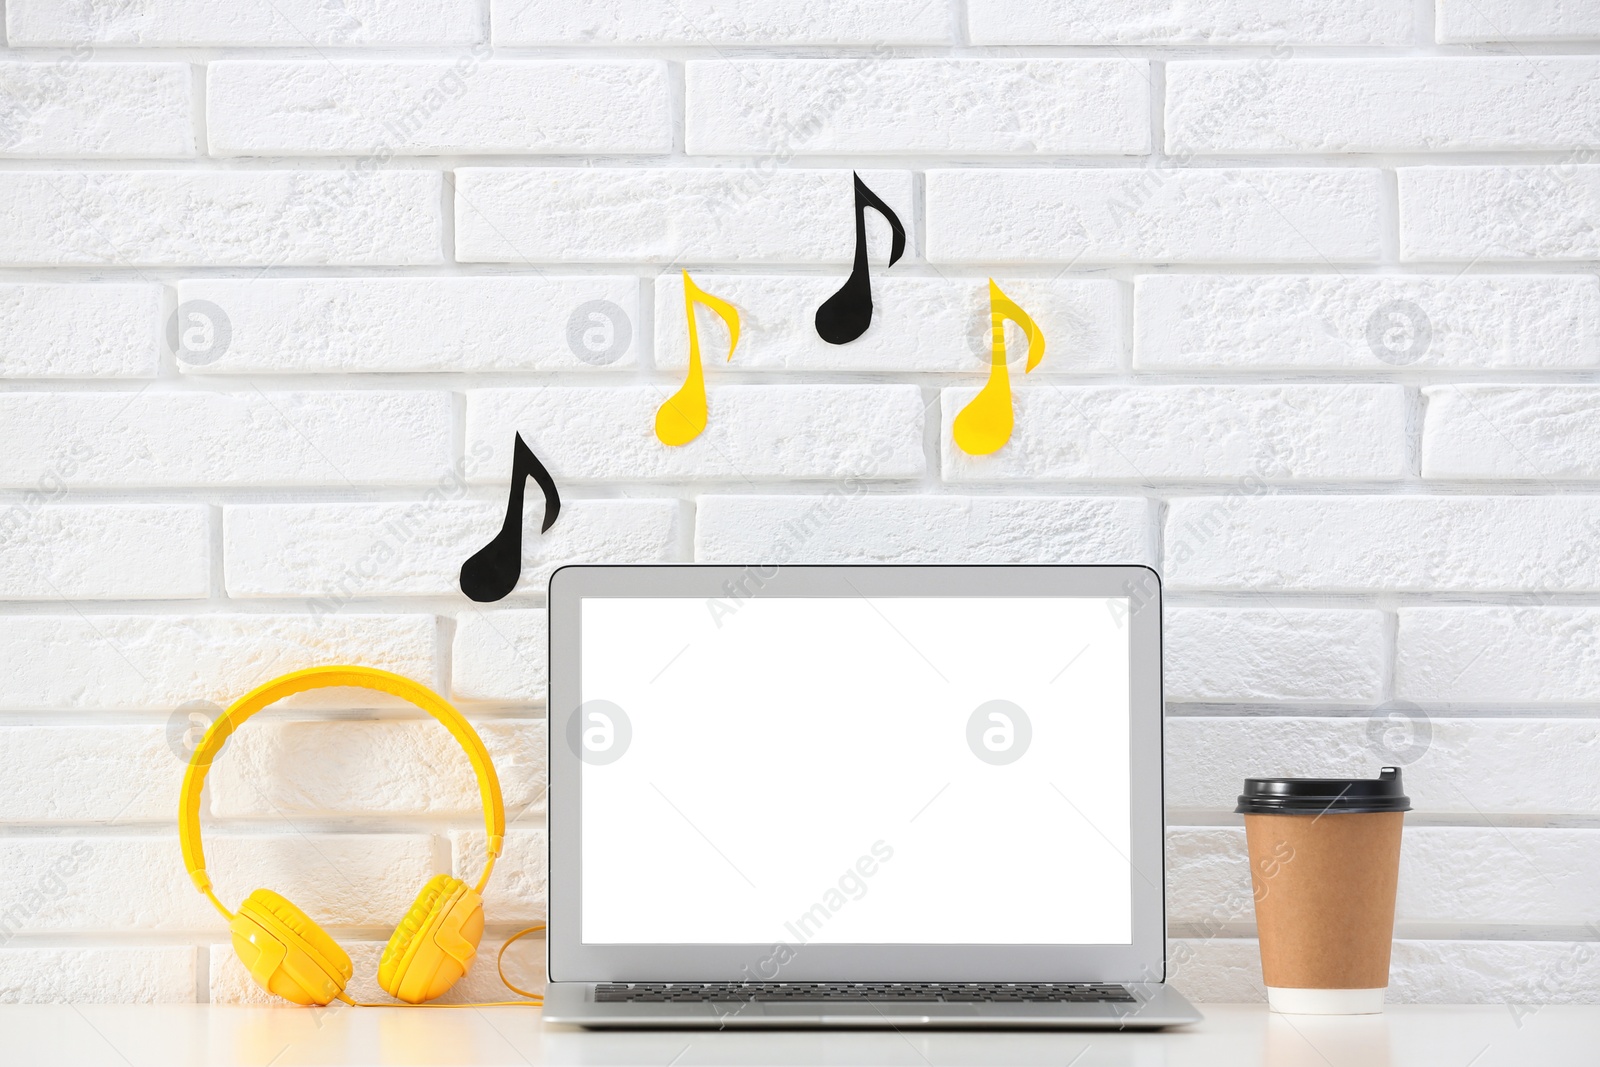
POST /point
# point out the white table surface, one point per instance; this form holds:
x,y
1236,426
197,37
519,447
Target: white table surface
x,y
1232,1035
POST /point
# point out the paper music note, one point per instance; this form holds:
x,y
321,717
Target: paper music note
x,y
845,315
984,426
683,416
492,572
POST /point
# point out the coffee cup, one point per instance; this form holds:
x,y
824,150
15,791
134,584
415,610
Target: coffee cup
x,y
1324,865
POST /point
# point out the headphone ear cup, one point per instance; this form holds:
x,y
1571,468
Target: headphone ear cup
x,y
434,944
288,954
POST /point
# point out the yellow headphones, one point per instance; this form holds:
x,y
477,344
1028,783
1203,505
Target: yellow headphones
x,y
291,956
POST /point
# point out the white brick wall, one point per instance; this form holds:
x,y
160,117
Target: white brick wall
x,y
80,331
380,325
297,23
1383,105
1068,216
1516,213
256,218
278,282
1281,322
83,111
663,216
1224,22
315,108
1066,107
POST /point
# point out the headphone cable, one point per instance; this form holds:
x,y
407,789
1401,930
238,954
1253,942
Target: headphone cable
x,y
533,998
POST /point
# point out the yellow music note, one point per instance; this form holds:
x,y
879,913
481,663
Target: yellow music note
x,y
683,416
984,426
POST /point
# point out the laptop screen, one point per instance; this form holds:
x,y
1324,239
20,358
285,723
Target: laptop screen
x,y
855,771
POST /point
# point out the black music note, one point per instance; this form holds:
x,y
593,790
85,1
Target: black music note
x,y
492,571
845,315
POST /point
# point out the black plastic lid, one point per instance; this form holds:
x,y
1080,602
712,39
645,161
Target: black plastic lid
x,y
1316,796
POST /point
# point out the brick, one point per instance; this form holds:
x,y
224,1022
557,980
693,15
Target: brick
x,y
384,325
90,773
1471,21
144,974
1281,215
158,662
1189,432
1273,655
1380,543
524,965
1497,875
502,656
1507,431
72,109
1493,972
787,431
105,330
1499,213
1448,874
1274,22
1265,322
1220,970
226,439
677,216
221,218
1438,104
343,769
516,893
1498,655
852,527
464,106
962,106
1461,766
340,551
338,879
294,23
1420,971
61,551
918,324
727,22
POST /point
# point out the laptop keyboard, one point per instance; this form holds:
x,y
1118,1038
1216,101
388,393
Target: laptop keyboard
x,y
926,992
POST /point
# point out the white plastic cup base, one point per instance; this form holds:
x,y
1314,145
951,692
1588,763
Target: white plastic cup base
x,y
1325,1001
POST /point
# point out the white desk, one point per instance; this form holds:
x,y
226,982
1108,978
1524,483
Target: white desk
x,y
1232,1035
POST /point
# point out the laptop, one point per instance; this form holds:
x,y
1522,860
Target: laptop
x,y
856,796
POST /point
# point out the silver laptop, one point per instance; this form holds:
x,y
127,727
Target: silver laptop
x,y
865,796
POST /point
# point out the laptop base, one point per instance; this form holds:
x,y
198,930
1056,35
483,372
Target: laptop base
x,y
1155,1006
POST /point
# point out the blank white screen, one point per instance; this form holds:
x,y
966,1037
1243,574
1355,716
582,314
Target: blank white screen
x,y
777,752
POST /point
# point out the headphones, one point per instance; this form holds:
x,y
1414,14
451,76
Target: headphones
x,y
287,953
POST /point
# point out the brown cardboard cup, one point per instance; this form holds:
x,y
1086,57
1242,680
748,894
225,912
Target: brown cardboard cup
x,y
1324,865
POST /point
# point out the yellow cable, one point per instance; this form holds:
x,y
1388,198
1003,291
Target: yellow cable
x,y
499,963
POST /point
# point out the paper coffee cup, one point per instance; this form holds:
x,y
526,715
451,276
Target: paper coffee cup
x,y
1324,864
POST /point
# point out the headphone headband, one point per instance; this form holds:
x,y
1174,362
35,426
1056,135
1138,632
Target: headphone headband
x,y
494,814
